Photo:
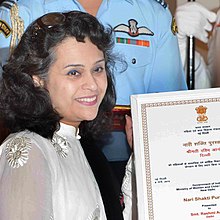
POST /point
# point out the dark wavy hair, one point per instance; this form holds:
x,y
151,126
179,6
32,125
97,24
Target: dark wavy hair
x,y
25,106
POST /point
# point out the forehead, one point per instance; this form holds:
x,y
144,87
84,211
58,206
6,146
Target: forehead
x,y
72,43
72,50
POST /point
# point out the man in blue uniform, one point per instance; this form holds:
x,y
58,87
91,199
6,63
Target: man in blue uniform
x,y
144,37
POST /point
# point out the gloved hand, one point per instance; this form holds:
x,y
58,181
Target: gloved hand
x,y
193,19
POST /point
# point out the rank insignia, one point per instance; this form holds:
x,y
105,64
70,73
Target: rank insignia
x,y
5,28
174,27
132,29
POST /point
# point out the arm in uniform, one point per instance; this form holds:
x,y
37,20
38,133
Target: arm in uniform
x,y
15,16
167,70
5,30
214,53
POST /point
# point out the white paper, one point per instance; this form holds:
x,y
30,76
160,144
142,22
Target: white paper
x,y
177,154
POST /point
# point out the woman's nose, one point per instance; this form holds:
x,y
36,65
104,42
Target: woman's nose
x,y
90,82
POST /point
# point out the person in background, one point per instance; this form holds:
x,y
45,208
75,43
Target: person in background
x,y
56,87
214,53
144,36
194,19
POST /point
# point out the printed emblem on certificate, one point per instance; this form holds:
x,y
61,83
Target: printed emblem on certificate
x,y
177,154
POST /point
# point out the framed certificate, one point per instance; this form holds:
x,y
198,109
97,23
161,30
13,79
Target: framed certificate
x,y
177,154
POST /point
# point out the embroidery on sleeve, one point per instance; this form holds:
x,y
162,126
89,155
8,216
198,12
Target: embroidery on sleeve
x,y
17,151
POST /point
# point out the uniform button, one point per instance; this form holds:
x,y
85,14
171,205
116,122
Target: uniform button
x,y
134,61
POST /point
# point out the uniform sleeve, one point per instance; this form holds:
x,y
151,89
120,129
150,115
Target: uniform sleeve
x,y
167,72
214,54
5,33
25,183
15,16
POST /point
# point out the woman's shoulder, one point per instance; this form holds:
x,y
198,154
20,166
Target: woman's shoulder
x,y
25,137
17,147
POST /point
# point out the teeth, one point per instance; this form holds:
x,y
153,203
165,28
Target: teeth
x,y
87,99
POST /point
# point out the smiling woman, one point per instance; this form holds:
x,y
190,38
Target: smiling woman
x,y
58,84
77,81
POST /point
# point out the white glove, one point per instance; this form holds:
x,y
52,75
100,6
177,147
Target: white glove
x,y
193,19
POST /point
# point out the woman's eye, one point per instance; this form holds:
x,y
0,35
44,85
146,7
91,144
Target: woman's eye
x,y
73,73
99,69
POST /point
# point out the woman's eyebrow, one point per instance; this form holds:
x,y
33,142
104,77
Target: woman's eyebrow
x,y
73,65
99,61
81,65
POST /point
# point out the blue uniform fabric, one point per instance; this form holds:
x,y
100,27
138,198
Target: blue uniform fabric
x,y
151,51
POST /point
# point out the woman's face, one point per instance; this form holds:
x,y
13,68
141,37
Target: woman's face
x,y
77,81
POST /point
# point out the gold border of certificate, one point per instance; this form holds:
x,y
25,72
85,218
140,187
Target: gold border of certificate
x,y
141,105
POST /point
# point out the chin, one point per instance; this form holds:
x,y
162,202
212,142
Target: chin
x,y
90,117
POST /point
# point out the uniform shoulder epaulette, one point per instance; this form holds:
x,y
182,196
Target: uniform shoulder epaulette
x,y
8,3
17,23
162,2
